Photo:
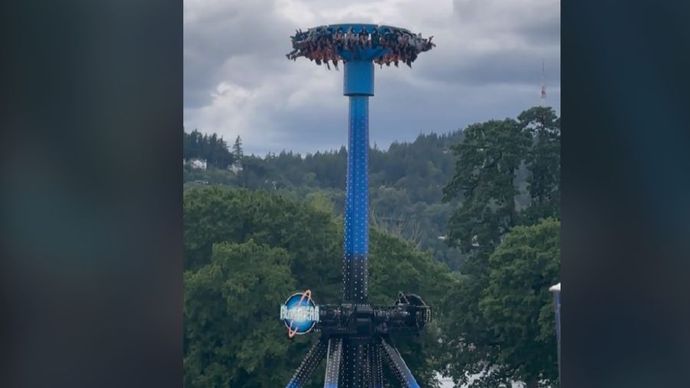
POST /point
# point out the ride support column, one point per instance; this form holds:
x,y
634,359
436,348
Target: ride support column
x,y
358,86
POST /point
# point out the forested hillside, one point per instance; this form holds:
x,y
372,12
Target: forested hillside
x,y
469,220
406,182
211,148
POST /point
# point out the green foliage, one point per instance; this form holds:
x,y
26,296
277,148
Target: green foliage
x,y
517,339
249,250
406,184
216,214
394,266
237,151
497,328
494,317
231,338
320,201
543,161
207,147
519,306
488,160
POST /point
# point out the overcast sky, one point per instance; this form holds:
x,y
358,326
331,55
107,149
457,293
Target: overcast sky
x,y
487,64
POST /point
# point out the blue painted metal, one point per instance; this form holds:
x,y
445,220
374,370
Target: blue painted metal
x,y
357,186
399,366
316,353
358,79
356,225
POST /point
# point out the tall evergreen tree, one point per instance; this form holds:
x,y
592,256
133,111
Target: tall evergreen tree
x,y
543,162
487,162
237,150
210,148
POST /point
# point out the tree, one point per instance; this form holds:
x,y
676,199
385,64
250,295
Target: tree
x,y
320,201
519,306
211,148
213,214
406,183
543,162
191,145
237,150
516,308
487,161
240,243
231,335
394,265
485,182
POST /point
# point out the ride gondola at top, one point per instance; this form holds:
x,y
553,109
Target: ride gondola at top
x,y
330,44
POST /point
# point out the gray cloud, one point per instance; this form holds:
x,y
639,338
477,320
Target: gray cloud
x,y
510,66
487,65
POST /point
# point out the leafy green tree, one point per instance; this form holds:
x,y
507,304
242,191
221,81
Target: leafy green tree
x,y
518,309
487,161
320,201
519,305
231,335
213,214
236,244
518,340
406,183
543,162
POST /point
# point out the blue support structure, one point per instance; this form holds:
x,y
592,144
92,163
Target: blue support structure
x,y
309,364
398,366
333,362
357,186
358,86
353,332
356,244
356,231
359,77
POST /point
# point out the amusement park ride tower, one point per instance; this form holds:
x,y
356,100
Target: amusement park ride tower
x,y
355,334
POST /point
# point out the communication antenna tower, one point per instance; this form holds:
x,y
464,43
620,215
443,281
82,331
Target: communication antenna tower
x,y
542,93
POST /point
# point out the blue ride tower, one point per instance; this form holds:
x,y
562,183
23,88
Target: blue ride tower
x,y
358,86
354,334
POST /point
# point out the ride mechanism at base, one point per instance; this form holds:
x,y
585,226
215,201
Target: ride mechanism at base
x,y
355,335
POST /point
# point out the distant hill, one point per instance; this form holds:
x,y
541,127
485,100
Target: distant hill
x,y
500,180
406,182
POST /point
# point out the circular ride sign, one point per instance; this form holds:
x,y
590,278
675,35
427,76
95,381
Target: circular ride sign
x,y
299,313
